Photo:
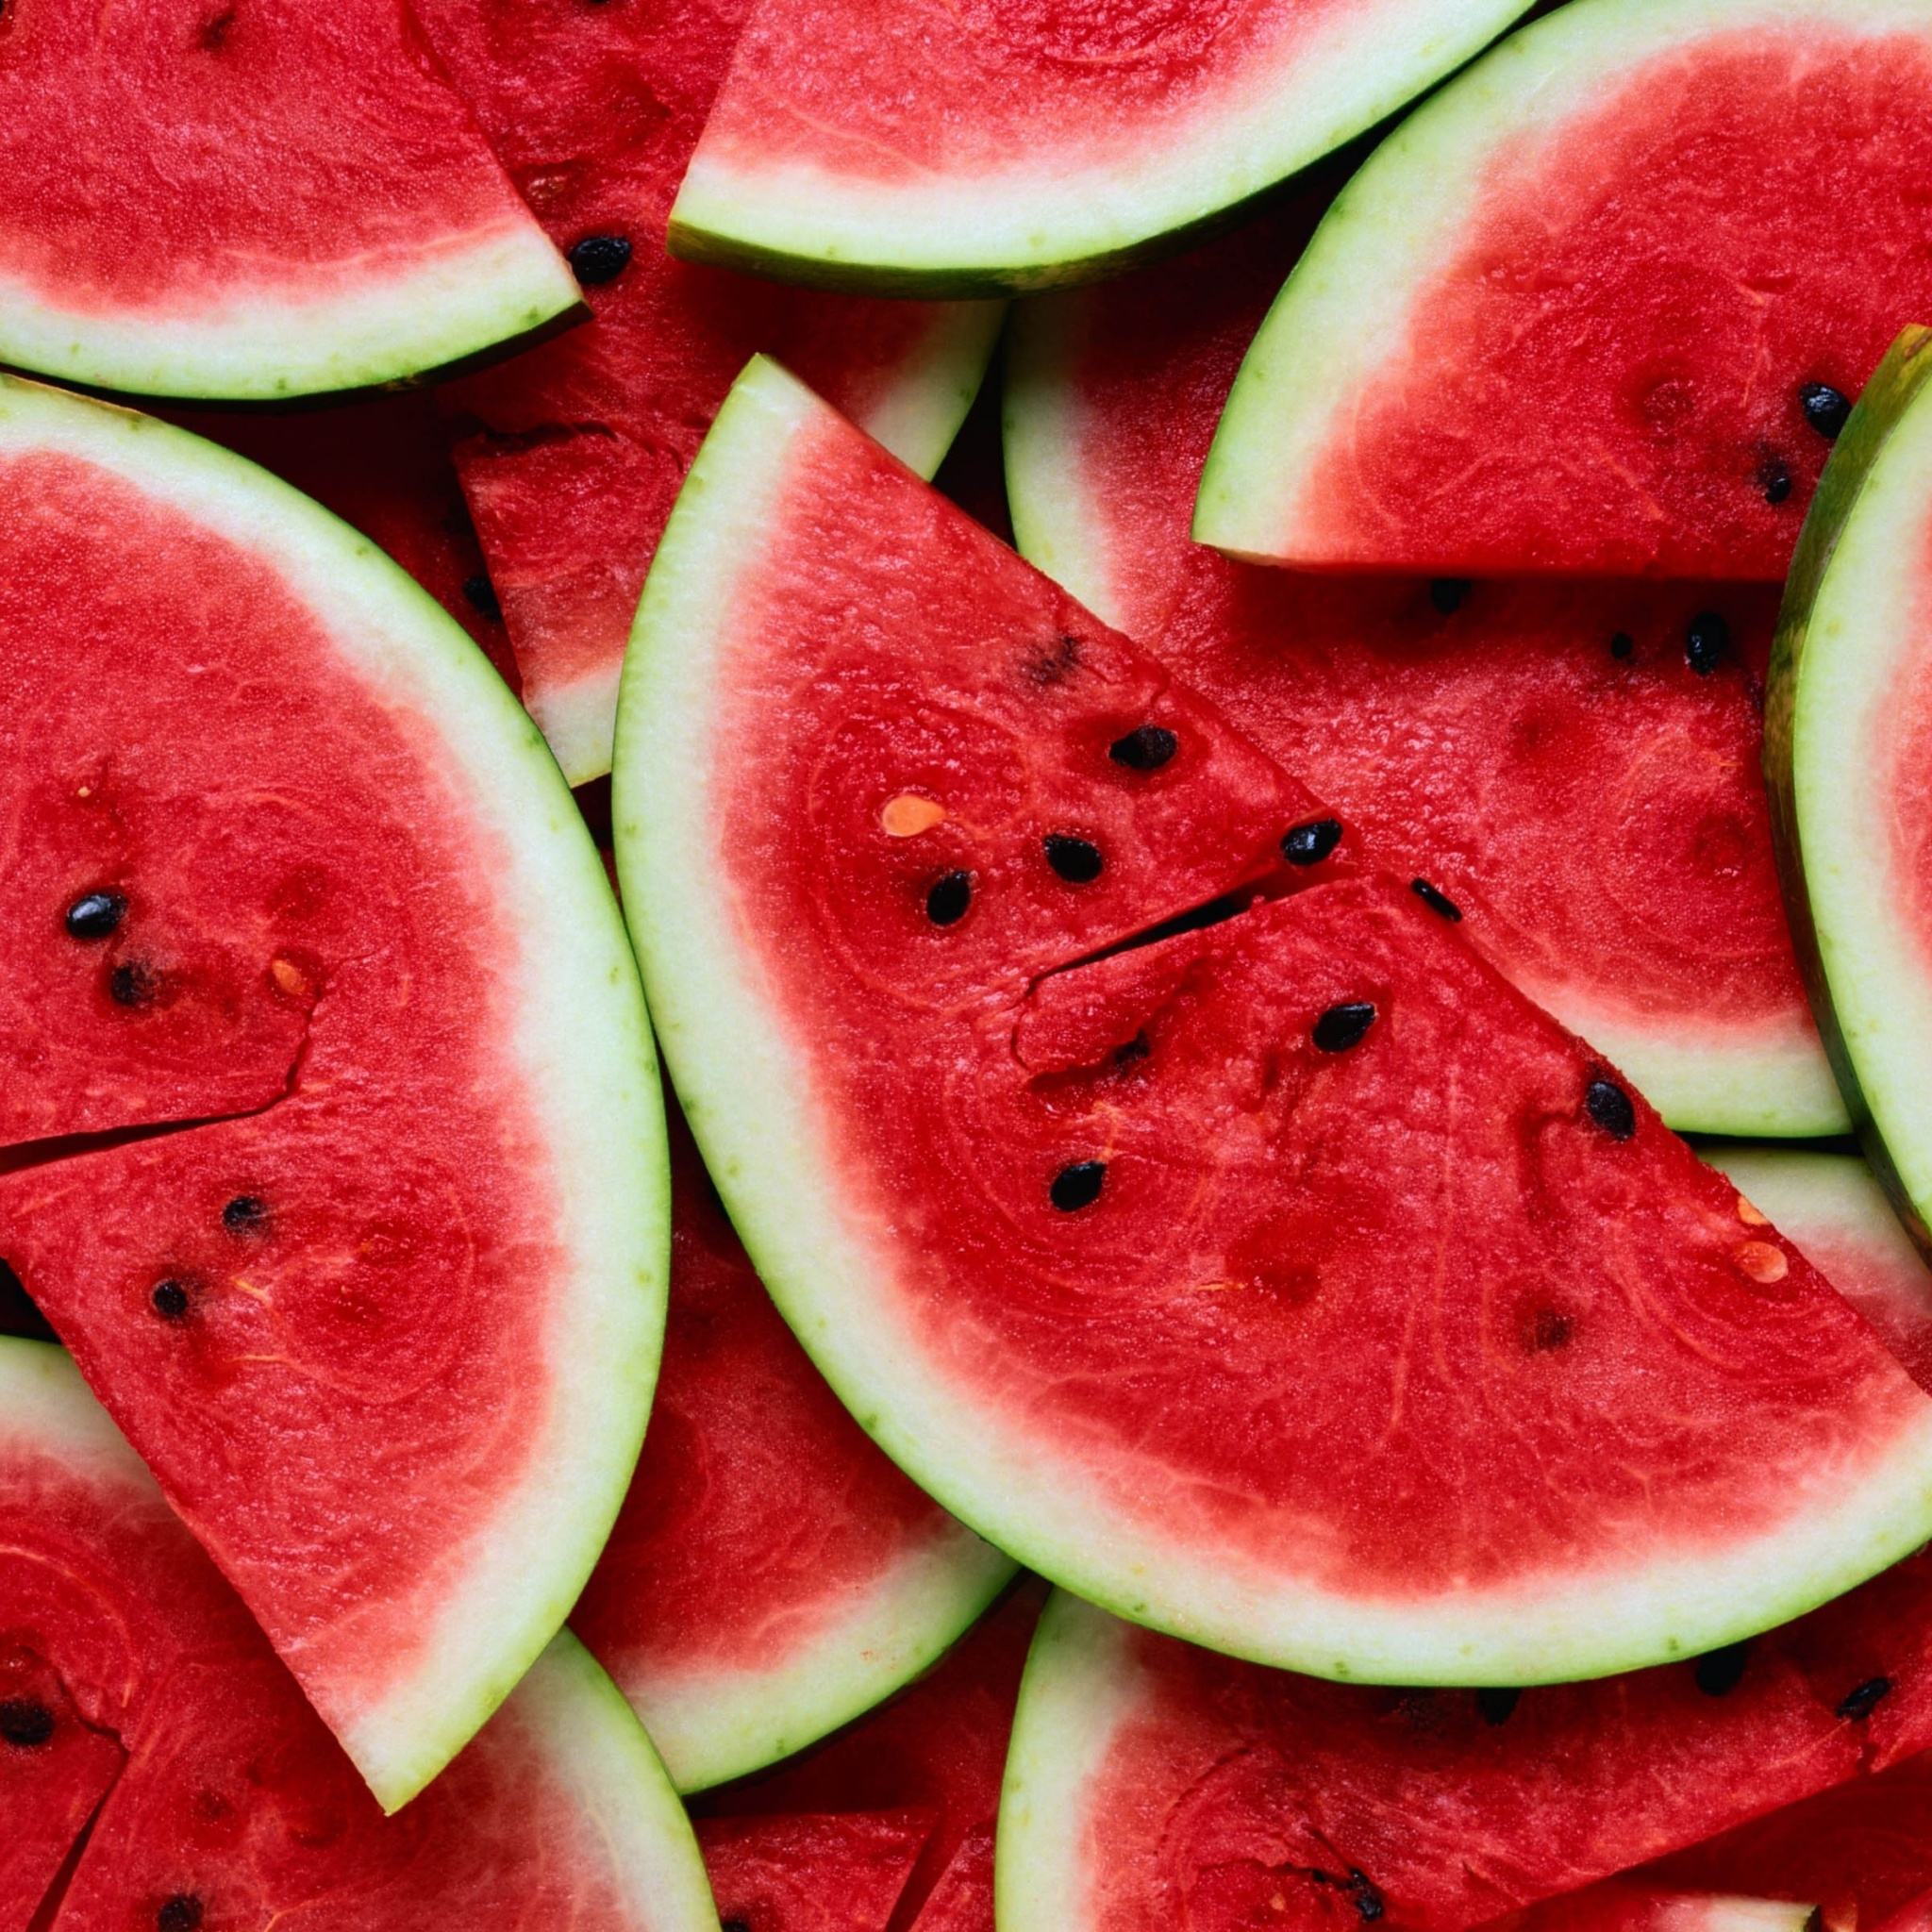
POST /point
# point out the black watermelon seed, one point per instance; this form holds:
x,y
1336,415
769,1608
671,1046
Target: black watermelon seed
x,y
96,915
1446,593
1367,1895
182,1913
1342,1027
1609,1107
1129,1051
1623,645
1860,1702
1309,845
599,258
482,596
1721,1672
131,985
948,897
1077,860
244,1214
1497,1707
1705,642
1774,479
1825,409
1077,1186
1435,900
170,1300
25,1723
1145,748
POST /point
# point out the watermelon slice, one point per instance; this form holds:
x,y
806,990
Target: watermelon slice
x,y
286,872
1599,304
842,1871
1846,746
844,1580
1151,1783
580,447
1291,1283
1575,766
293,201
1618,1906
142,1717
917,148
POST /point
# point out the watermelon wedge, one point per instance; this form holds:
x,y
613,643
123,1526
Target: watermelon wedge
x,y
1281,1276
143,1720
287,872
838,1872
845,1580
1151,1783
277,200
1599,305
1575,766
1618,1906
914,148
578,449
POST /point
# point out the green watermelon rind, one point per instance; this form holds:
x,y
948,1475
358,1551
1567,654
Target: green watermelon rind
x,y
571,1712
583,1039
1845,624
1345,312
747,1092
1051,226
712,1725
502,291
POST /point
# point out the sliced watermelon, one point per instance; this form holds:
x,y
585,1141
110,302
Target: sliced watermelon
x,y
276,200
917,148
581,446
1151,1783
771,1575
289,869
143,1718
1577,767
1598,305
841,1872
1293,1283
962,1901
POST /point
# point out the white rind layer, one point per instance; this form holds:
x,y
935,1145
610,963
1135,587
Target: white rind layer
x,y
746,1085
716,1724
578,1034
1345,314
271,346
1048,217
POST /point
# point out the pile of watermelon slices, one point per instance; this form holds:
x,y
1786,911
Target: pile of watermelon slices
x,y
968,967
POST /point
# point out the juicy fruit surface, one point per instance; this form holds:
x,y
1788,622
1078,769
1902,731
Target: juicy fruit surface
x,y
1577,767
1594,369
751,1470
579,446
841,1872
217,1785
1246,1796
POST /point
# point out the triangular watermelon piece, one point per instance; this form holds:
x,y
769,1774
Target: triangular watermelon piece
x,y
830,1872
1599,305
844,1580
132,1681
579,447
911,147
1151,1782
289,868
1575,766
963,1900
277,200
1293,1283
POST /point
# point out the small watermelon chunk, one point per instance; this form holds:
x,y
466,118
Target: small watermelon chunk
x,y
579,448
915,148
1598,305
838,1872
1150,1780
1293,1283
277,200
1577,767
386,1334
770,1575
221,1800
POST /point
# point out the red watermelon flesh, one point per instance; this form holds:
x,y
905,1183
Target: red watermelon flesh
x,y
582,444
1546,755
1603,268
837,1872
771,1574
962,1899
136,1693
1621,1904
